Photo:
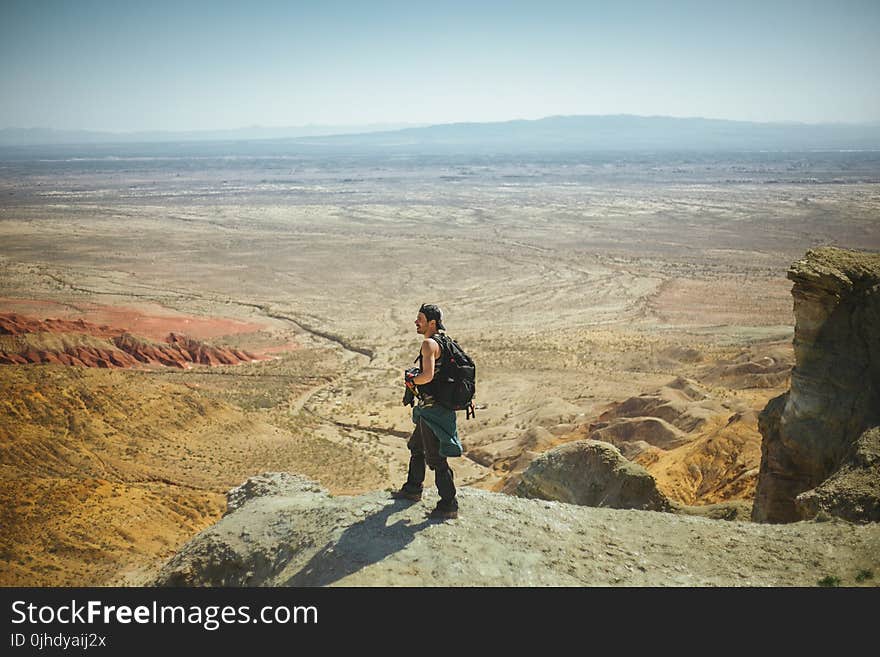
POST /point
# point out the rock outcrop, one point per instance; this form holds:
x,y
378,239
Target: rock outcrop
x,y
591,473
84,344
284,530
809,432
853,491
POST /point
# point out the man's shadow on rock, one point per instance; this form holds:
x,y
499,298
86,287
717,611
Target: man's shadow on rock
x,y
366,542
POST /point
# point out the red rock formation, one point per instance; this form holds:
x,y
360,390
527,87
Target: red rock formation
x,y
15,324
122,349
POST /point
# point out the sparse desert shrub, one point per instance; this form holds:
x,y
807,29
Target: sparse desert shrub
x,y
864,575
829,580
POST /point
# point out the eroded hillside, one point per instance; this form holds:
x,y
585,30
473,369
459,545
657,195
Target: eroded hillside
x,y
105,471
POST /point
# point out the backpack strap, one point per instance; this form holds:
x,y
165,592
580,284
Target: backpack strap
x,y
442,350
440,342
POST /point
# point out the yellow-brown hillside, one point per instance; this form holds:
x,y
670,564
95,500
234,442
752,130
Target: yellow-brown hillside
x,y
105,472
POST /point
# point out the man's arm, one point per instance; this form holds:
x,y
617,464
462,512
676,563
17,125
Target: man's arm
x,y
427,363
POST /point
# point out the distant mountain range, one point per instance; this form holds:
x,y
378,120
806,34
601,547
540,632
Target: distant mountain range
x,y
555,133
50,136
620,132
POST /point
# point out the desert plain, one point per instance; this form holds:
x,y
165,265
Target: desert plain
x,y
580,284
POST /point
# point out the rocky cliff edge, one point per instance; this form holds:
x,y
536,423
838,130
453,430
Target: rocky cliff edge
x,y
284,530
810,432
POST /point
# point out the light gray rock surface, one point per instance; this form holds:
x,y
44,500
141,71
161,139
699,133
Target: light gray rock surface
x,y
297,535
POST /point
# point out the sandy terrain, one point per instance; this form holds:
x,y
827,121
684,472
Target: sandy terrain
x,y
571,292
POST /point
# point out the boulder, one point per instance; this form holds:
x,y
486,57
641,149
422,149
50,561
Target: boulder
x,y
591,473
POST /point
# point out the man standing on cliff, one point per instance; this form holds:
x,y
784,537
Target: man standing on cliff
x,y
435,436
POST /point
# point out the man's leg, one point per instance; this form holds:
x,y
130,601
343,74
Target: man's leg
x,y
416,473
443,475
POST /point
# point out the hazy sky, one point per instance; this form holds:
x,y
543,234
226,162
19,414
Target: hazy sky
x,y
180,65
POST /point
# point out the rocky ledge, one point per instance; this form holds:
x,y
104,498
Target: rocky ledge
x,y
284,530
812,431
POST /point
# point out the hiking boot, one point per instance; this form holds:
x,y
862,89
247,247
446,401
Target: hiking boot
x,y
409,495
444,512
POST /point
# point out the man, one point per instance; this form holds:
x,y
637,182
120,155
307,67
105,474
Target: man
x,y
435,436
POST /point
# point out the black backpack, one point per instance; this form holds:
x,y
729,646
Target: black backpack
x,y
455,384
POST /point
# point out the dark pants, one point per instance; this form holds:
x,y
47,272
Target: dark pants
x,y
425,449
